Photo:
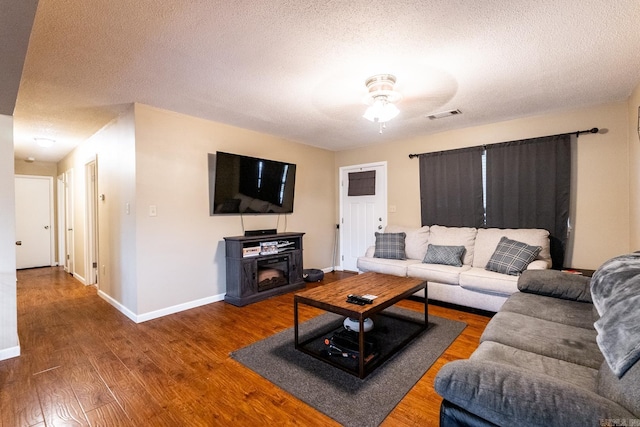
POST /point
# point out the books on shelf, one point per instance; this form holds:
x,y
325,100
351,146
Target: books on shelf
x,y
251,251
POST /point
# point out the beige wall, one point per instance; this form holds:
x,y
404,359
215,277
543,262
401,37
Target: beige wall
x,y
601,228
180,252
150,265
9,344
113,150
36,168
634,168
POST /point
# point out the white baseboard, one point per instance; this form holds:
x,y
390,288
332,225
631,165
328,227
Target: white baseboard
x,y
121,308
139,318
178,308
10,352
80,278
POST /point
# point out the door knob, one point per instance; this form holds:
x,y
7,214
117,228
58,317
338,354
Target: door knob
x,y
19,243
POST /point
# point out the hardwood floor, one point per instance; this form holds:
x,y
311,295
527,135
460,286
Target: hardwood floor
x,y
84,363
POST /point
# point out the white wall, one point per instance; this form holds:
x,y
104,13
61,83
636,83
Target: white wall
x,y
601,228
9,343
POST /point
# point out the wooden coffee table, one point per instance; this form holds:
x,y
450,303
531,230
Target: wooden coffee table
x,y
332,297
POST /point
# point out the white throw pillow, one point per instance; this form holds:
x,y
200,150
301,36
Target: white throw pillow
x,y
415,242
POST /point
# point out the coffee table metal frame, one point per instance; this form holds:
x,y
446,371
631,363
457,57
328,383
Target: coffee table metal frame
x,y
332,298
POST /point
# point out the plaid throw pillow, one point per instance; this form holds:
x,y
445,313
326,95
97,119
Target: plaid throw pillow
x,y
446,255
390,245
512,257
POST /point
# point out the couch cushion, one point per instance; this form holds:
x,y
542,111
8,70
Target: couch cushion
x,y
487,240
615,289
551,339
513,396
554,283
479,279
445,255
578,375
390,246
512,257
445,274
568,312
415,243
455,236
394,267
625,390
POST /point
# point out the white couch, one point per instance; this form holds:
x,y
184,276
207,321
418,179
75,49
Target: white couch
x,y
469,285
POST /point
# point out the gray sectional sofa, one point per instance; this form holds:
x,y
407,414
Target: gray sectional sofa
x,y
469,284
562,352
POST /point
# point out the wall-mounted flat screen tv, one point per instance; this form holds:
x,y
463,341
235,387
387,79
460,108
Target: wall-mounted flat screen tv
x,y
249,185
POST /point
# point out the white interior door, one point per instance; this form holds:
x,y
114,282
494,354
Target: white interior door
x,y
91,219
361,215
62,231
34,221
68,202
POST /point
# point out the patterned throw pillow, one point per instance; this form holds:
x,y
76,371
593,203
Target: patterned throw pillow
x,y
390,245
512,257
446,255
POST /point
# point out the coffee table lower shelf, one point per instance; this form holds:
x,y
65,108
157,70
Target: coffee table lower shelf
x,y
391,332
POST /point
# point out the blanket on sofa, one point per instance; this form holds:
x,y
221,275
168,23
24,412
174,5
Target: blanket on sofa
x,y
615,290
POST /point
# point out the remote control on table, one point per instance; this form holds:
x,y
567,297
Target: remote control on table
x,y
357,299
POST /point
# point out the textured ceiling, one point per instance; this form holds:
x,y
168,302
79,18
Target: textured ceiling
x,y
297,68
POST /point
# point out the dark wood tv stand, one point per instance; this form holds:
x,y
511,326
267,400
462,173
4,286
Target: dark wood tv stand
x,y
254,277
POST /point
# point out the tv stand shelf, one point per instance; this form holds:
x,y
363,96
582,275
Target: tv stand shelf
x,y
254,275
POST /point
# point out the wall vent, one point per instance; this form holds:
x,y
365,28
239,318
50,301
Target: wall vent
x,y
444,114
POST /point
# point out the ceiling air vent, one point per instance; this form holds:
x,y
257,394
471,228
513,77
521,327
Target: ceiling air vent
x,y
444,114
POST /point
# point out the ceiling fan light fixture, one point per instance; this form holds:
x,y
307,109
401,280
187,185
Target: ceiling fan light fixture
x,y
381,111
381,99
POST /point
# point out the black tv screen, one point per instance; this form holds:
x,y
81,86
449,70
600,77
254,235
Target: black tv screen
x,y
242,184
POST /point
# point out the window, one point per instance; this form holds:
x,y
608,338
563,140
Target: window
x,y
517,184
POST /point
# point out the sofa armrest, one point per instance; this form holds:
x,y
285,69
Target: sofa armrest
x,y
509,395
554,283
370,251
538,264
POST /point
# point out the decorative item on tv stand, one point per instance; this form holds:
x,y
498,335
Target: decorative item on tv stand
x,y
268,248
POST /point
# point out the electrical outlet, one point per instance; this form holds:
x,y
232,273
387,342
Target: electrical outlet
x,y
153,211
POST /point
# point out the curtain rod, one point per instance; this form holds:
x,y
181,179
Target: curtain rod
x,y
576,133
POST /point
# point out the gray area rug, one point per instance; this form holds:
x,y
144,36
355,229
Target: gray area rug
x,y
344,397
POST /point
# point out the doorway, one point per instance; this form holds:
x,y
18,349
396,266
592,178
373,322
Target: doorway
x,y
363,210
34,221
69,261
91,219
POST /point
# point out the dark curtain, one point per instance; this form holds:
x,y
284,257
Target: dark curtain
x,y
451,188
528,186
